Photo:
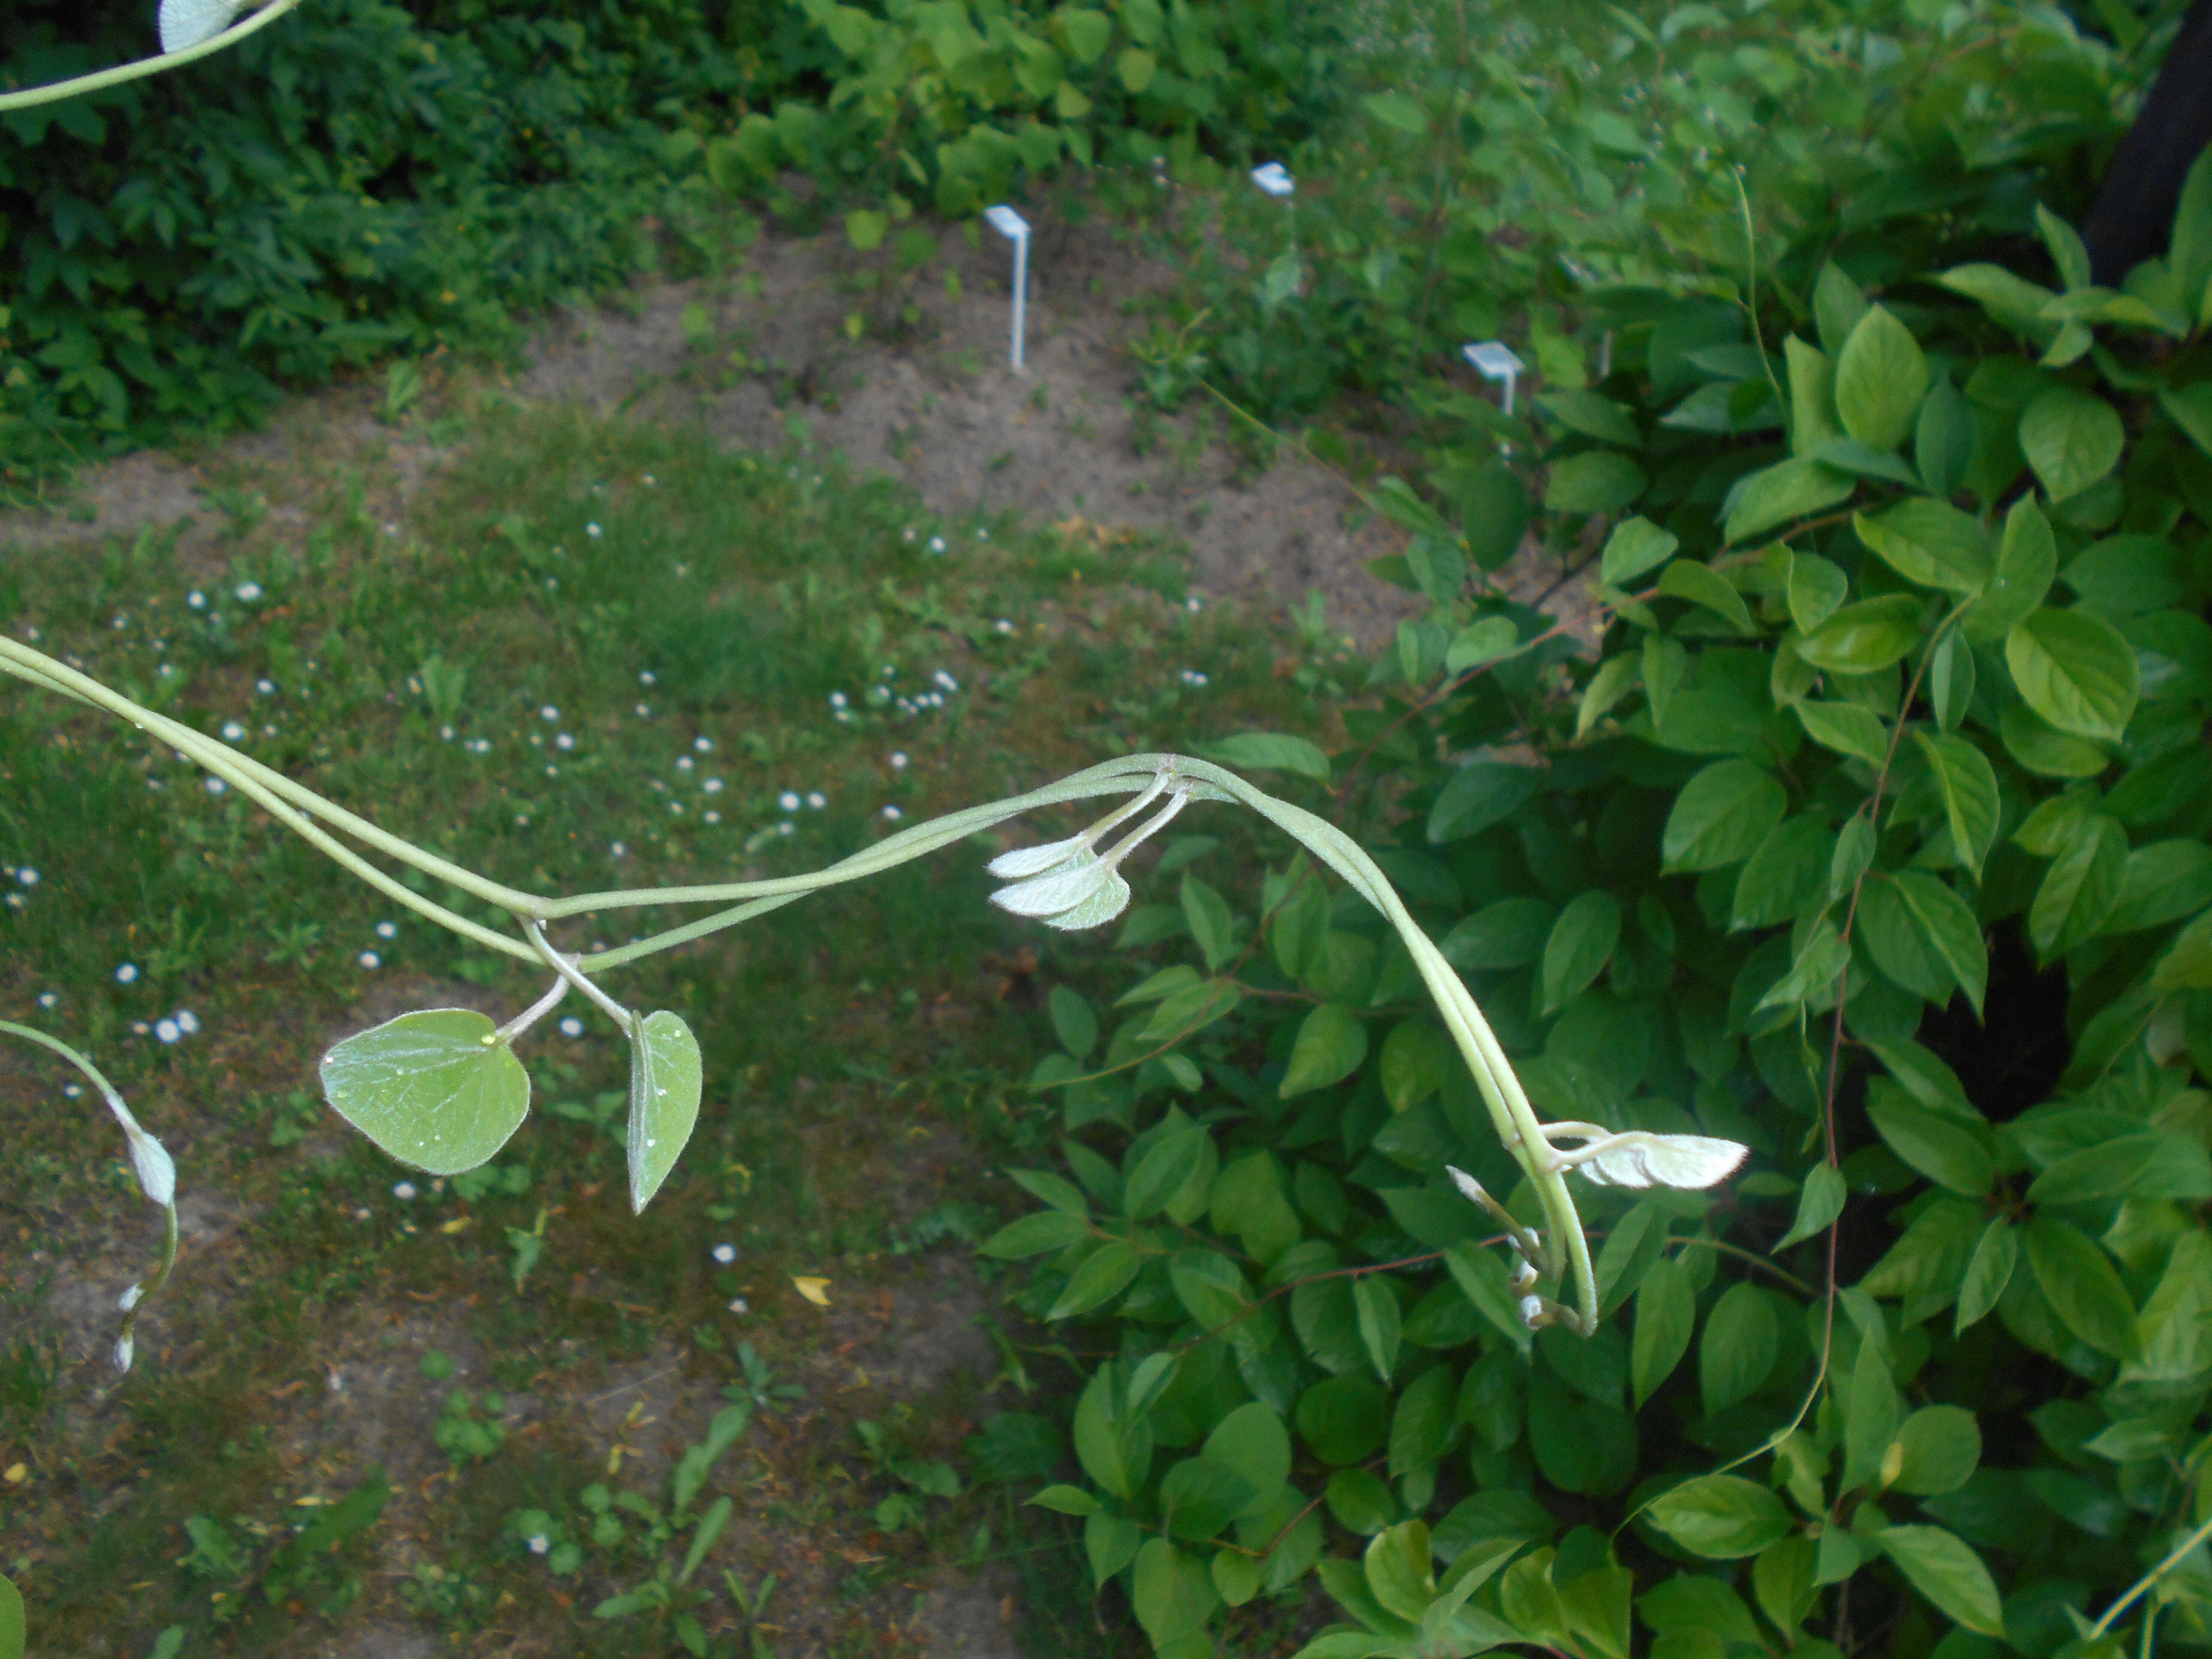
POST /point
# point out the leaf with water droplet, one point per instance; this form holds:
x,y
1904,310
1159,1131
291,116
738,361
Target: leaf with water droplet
x,y
436,1089
664,1101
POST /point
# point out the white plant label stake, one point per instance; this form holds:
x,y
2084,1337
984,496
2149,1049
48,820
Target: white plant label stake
x,y
1494,360
1016,230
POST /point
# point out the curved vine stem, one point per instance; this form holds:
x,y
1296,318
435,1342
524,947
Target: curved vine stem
x,y
101,79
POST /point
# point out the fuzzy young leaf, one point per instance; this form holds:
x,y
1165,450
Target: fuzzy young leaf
x,y
437,1090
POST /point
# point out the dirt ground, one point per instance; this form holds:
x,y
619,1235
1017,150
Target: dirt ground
x,y
938,404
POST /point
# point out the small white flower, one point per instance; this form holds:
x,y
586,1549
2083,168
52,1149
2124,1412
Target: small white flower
x,y
816,800
739,1305
564,741
403,1191
197,599
522,820
140,1027
539,1543
618,850
907,534
48,1000
166,1031
127,973
943,680
787,801
704,746
644,713
712,817
683,762
370,959
837,699
648,481
898,760
187,1021
15,900
445,732
937,543
982,535
216,786
549,713
232,731
726,1254
645,677
1004,625
266,688
712,786
72,1089
387,930
677,808
572,1027
27,876
593,532
785,828
1194,604
893,814
249,591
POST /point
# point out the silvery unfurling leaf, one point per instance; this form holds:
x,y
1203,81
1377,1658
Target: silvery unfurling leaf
x,y
157,1172
1469,1186
1642,1159
125,1349
187,22
131,1298
1101,907
1026,862
1062,889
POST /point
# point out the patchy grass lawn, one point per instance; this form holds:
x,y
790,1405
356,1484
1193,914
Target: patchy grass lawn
x,y
371,1413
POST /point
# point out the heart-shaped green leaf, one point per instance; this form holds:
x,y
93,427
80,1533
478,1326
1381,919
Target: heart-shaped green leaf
x,y
436,1089
664,1101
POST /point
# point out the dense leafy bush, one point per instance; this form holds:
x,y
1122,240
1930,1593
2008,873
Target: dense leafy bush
x,y
362,179
1874,837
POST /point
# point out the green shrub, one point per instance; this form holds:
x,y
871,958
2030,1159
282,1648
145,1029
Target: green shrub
x,y
1875,838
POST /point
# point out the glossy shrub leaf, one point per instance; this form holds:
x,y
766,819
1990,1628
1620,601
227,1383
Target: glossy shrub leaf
x,y
1742,1339
1267,751
1167,1165
1343,1419
1479,795
1943,441
1103,1275
664,1082
1951,674
2078,1280
1110,1540
2027,561
1922,936
1581,941
2081,887
1703,585
1788,490
1929,543
1596,481
1939,1147
2071,439
1376,1306
1943,1444
1202,1496
1847,728
1172,1593
1785,872
1720,1517
1253,1441
1881,374
1989,1270
1212,928
1635,546
1818,1203
1862,638
2074,669
1073,1020
1968,786
1034,1235
1946,1571
1721,815
1816,587
437,1090
1331,1042
1666,1309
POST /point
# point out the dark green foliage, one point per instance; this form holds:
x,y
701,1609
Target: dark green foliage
x,y
1874,836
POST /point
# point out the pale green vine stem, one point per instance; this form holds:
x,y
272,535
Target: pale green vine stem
x,y
565,968
297,806
2149,1579
157,1173
101,79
